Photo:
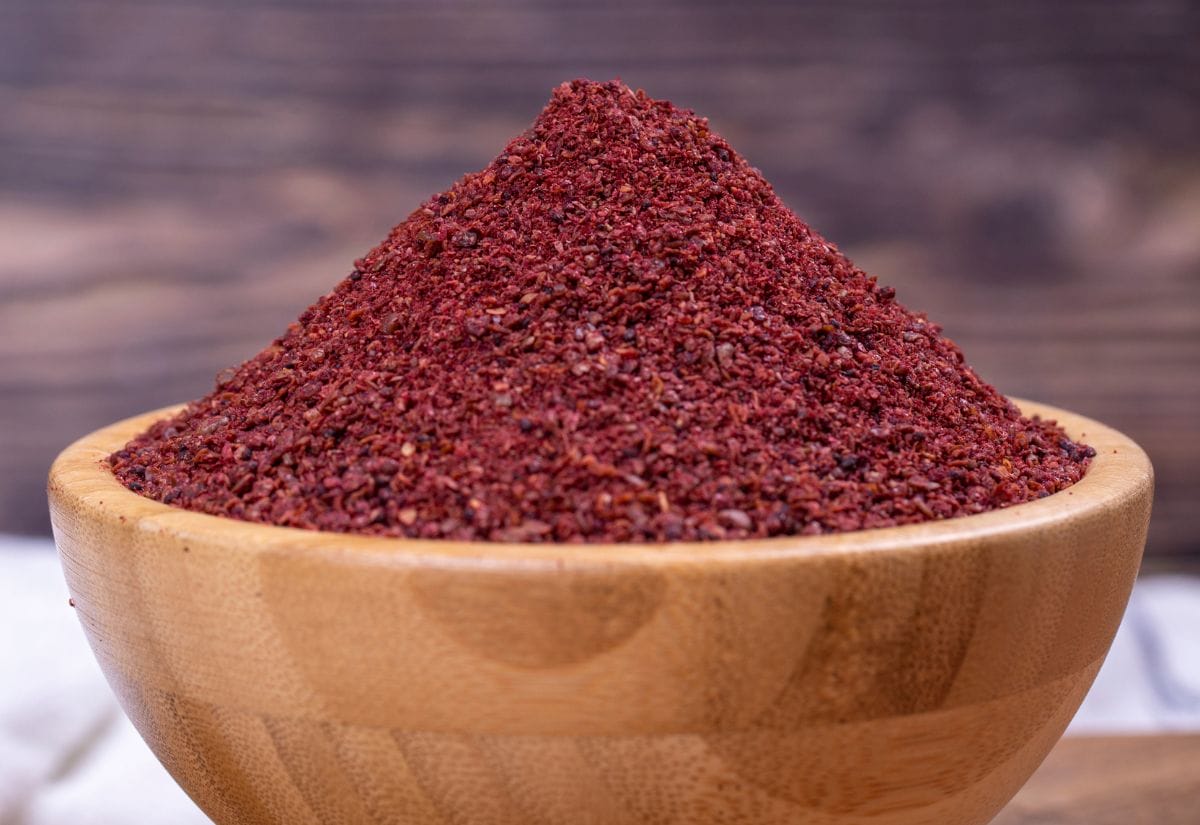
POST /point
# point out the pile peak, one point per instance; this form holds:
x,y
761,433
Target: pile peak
x,y
616,331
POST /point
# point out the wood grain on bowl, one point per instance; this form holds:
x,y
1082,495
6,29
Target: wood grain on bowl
x,y
908,675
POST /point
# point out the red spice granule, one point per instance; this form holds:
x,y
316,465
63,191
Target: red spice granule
x,y
614,332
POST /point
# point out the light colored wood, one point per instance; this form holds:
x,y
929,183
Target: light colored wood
x,y
907,675
1113,780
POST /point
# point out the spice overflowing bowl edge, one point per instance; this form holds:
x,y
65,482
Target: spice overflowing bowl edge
x,y
1120,469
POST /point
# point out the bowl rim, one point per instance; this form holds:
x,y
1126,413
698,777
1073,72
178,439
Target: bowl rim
x,y
82,480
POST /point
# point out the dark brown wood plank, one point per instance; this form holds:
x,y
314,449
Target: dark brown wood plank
x,y
178,180
1116,780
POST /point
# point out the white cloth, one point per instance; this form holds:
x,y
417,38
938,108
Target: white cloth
x,y
1151,679
68,755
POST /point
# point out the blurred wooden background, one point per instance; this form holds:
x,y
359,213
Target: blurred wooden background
x,y
179,179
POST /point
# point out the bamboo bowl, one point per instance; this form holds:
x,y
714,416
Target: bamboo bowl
x,y
906,675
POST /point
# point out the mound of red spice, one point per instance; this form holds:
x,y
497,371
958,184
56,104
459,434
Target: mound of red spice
x,y
614,332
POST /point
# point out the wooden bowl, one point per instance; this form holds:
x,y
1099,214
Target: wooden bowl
x,y
905,675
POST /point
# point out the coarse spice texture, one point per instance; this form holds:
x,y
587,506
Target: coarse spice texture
x,y
615,332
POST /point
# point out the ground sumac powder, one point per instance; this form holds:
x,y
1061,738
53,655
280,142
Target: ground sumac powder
x,y
614,332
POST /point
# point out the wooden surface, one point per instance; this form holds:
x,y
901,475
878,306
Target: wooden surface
x,y
178,180
908,675
1113,780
